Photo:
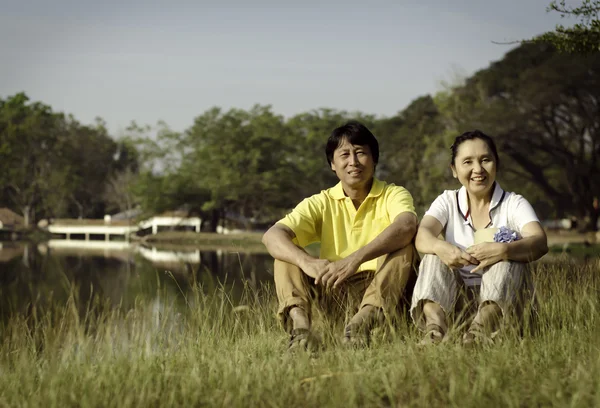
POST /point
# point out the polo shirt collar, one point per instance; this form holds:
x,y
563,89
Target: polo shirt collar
x,y
463,200
337,191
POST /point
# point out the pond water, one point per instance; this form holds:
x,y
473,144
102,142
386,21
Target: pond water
x,y
117,273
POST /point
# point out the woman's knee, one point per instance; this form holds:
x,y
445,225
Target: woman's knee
x,y
431,263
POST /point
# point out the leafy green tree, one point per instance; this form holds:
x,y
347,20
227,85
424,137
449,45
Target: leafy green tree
x,y
93,158
583,37
543,108
161,183
31,167
411,143
53,166
309,132
240,158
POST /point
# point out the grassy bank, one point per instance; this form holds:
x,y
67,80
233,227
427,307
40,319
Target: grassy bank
x,y
219,352
247,241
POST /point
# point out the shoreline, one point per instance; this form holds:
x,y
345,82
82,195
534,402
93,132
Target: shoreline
x,y
250,242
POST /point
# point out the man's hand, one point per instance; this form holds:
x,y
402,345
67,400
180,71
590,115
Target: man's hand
x,y
453,256
337,272
315,267
487,254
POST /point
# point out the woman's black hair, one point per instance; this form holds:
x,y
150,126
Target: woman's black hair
x,y
474,134
357,134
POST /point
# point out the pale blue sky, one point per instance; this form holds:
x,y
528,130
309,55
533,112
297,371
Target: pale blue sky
x,y
171,60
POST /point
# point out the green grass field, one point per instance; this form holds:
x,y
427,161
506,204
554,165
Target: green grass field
x,y
215,351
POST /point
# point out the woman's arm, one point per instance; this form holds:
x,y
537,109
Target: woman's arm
x,y
427,242
531,247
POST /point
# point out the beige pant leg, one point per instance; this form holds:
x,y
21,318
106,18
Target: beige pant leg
x,y
293,289
436,283
509,285
394,277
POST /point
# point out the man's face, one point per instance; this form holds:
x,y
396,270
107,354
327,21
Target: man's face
x,y
353,164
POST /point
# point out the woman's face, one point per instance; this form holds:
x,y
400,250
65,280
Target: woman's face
x,y
475,166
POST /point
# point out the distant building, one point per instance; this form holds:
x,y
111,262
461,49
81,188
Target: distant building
x,y
10,221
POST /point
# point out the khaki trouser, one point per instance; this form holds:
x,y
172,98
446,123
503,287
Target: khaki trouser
x,y
508,284
389,287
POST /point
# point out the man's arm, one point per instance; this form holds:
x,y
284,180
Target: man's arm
x,y
396,236
278,240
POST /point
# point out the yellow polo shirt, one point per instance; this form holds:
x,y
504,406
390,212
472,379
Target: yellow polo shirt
x,y
330,218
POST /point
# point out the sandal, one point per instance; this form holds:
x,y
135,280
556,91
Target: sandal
x,y
434,334
476,335
355,335
301,339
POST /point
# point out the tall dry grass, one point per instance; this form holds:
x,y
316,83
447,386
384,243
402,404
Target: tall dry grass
x,y
209,349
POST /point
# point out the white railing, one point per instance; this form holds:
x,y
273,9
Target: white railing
x,y
123,230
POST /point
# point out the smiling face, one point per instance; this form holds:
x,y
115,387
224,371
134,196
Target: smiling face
x,y
475,166
353,164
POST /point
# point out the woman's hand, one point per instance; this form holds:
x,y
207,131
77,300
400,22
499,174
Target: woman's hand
x,y
453,256
487,253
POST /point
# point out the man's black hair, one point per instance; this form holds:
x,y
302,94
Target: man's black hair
x,y
357,134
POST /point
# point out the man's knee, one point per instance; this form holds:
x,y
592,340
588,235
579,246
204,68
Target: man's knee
x,y
282,269
405,259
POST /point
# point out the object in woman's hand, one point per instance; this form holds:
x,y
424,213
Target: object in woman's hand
x,y
505,235
484,235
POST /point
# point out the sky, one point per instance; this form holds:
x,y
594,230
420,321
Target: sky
x,y
172,60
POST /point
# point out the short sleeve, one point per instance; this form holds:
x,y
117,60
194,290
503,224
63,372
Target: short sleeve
x,y
399,200
306,220
521,212
440,209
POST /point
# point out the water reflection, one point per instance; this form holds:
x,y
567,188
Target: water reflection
x,y
117,275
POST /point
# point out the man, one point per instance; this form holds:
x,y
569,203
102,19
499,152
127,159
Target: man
x,y
365,227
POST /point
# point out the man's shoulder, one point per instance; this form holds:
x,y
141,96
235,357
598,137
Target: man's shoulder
x,y
319,199
381,186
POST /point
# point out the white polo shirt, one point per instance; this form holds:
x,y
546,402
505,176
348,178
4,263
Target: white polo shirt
x,y
451,209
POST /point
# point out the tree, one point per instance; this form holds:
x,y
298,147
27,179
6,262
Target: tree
x,y
53,166
543,107
161,183
119,187
93,158
31,167
411,143
306,147
583,37
242,159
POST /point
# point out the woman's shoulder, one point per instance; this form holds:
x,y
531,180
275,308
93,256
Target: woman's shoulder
x,y
448,195
512,198
447,199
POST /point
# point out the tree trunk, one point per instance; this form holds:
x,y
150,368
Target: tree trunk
x,y
215,217
26,210
593,223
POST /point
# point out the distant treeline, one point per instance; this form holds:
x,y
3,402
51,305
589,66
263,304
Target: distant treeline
x,y
542,107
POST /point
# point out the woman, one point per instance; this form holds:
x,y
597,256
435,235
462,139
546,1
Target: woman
x,y
494,272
